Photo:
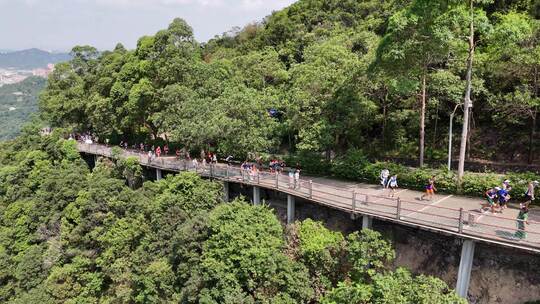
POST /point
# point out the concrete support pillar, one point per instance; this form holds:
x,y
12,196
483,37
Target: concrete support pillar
x,y
225,191
158,174
290,208
367,222
256,195
465,267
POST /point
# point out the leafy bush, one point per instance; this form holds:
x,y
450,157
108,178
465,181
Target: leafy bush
x,y
320,250
395,287
311,163
368,253
476,184
351,165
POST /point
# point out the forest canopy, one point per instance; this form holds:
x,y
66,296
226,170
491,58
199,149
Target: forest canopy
x,y
321,77
69,234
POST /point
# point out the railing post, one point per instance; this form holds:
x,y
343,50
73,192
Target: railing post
x,y
353,201
277,180
258,177
227,174
185,164
367,199
310,189
460,224
398,211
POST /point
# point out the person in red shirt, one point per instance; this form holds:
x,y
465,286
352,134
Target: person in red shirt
x,y
158,151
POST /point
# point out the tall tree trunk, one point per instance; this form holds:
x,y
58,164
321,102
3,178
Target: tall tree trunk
x,y
385,114
434,141
423,120
531,138
468,103
534,115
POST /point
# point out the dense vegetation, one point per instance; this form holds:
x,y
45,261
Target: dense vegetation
x,y
17,103
68,235
30,59
322,77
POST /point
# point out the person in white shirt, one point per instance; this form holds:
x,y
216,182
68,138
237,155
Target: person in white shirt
x,y
384,177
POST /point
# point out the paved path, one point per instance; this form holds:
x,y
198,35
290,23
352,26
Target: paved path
x,y
450,214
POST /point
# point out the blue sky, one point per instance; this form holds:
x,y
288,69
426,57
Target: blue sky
x,y
61,24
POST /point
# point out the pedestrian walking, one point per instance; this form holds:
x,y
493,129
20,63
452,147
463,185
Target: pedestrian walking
x,y
291,179
229,160
430,189
166,149
393,185
297,178
522,219
158,151
385,173
202,154
491,196
529,194
504,196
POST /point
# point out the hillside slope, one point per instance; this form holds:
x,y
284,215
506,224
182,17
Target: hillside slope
x,y
17,102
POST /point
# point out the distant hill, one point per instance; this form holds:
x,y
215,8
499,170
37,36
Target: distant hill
x,y
30,59
17,103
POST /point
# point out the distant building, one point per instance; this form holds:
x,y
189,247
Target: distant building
x,y
44,72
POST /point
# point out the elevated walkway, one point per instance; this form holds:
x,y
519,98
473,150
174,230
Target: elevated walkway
x,y
447,214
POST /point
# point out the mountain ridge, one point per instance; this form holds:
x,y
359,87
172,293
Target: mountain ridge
x,y
32,58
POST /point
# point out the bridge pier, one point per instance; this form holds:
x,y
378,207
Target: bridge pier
x,y
159,174
226,191
256,195
367,222
465,267
290,208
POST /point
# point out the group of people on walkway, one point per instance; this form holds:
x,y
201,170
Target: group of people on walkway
x,y
498,197
388,182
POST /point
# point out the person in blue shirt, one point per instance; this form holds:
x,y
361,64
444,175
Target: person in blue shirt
x,y
504,197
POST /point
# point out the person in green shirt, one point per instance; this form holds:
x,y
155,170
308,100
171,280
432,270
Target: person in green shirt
x,y
522,219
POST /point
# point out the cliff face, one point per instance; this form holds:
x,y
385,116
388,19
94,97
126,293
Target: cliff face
x,y
499,275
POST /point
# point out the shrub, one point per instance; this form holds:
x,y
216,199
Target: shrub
x,y
372,171
476,184
311,162
320,250
351,165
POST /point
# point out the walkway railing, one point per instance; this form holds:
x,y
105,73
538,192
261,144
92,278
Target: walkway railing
x,y
443,219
